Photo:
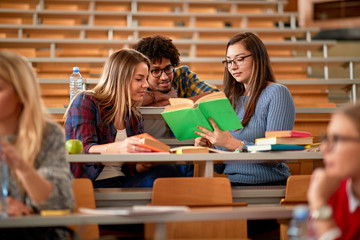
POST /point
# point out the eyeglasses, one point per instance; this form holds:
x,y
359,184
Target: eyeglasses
x,y
158,72
332,140
238,61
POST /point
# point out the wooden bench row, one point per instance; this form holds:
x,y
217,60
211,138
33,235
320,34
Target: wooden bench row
x,y
145,5
208,67
133,19
187,47
117,32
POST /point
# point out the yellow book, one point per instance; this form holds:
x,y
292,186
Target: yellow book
x,y
60,212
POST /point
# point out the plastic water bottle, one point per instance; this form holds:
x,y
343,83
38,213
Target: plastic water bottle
x,y
298,227
75,82
4,179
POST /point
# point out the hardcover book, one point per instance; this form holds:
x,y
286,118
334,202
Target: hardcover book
x,y
274,147
195,149
183,115
287,133
152,143
282,140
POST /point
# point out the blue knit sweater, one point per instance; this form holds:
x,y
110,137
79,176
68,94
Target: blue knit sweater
x,y
275,110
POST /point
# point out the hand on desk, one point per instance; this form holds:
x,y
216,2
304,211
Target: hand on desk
x,y
129,145
17,208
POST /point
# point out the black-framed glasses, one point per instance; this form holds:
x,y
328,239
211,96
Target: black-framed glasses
x,y
158,72
238,61
332,140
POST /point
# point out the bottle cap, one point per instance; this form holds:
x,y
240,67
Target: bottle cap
x,y
301,213
75,69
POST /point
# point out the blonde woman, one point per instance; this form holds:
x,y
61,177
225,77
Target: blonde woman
x,y
33,147
105,119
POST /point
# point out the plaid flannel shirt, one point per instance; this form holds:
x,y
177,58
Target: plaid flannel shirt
x,y
188,84
84,122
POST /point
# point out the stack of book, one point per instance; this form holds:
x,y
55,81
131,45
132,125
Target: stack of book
x,y
281,141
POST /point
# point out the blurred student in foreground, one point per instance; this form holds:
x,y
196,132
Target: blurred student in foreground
x,y
261,105
34,149
334,191
106,118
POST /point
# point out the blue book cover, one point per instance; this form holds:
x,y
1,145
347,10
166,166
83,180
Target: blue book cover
x,y
274,147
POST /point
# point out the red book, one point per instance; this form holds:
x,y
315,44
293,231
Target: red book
x,y
287,133
152,143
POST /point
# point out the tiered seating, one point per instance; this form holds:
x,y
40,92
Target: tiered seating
x,y
57,35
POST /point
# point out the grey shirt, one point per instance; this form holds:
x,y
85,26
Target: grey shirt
x,y
51,163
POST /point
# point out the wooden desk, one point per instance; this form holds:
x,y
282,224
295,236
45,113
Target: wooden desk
x,y
202,214
127,197
206,160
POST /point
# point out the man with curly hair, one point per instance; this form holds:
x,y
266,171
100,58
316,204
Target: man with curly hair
x,y
167,79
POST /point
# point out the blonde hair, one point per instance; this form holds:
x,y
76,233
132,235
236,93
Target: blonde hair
x,y
33,117
113,89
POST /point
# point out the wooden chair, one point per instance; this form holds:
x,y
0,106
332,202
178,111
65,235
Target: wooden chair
x,y
296,193
84,197
197,192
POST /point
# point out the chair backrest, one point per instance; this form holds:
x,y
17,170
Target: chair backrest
x,y
296,193
195,192
191,191
296,190
84,197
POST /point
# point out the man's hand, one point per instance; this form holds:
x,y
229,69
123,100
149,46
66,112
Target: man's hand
x,y
161,99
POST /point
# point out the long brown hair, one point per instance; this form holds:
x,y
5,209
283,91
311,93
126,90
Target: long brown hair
x,y
262,73
113,89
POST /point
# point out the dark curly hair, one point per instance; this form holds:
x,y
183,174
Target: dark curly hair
x,y
158,47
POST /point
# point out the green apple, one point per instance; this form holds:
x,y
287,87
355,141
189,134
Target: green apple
x,y
74,146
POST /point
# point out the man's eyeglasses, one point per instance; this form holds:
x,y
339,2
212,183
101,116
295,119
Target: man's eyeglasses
x,y
332,140
238,61
158,72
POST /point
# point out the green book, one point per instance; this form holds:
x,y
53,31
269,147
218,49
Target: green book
x,y
183,115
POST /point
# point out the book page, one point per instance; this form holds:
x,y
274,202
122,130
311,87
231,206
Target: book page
x,y
135,210
214,95
178,107
178,101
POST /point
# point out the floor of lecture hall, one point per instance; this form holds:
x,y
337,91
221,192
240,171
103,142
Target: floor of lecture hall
x,y
257,230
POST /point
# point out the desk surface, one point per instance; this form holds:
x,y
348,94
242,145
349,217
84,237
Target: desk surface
x,y
203,214
167,157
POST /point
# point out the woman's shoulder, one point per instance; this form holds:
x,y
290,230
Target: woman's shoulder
x,y
84,100
275,89
53,128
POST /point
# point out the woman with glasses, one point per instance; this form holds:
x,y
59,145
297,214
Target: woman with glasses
x,y
261,105
105,119
33,147
334,192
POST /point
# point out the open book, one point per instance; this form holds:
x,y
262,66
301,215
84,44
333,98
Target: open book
x,y
134,210
195,149
183,115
